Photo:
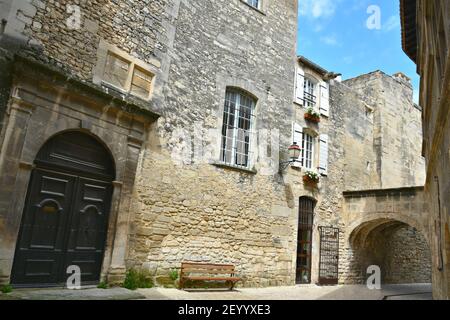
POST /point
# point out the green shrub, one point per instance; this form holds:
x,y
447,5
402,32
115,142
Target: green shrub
x,y
6,289
135,279
173,274
102,285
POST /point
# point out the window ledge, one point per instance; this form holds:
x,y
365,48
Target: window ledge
x,y
252,7
124,94
224,165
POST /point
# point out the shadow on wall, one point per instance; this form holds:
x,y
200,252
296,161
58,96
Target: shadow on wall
x,y
400,250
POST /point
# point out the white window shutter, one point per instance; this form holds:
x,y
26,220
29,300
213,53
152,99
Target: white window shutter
x,y
324,99
323,156
297,136
299,85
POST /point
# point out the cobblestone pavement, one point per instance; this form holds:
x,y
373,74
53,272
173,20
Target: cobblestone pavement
x,y
308,292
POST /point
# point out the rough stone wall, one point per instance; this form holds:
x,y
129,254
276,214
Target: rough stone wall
x,y
369,125
190,209
401,252
200,212
433,20
5,85
351,142
397,128
142,35
407,257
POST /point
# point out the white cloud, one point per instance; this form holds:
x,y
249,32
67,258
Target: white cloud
x,y
330,40
392,23
317,8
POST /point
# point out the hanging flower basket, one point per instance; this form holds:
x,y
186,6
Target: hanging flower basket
x,y
311,178
312,115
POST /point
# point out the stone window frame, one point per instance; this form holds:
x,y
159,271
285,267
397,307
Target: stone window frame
x,y
225,81
104,50
250,153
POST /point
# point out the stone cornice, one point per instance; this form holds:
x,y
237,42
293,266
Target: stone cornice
x,y
59,78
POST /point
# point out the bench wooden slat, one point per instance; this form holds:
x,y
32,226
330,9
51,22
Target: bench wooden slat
x,y
207,269
202,266
213,278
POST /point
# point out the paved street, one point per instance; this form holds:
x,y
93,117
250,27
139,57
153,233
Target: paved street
x,y
308,292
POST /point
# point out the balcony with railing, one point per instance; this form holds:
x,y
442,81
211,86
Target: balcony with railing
x,y
310,99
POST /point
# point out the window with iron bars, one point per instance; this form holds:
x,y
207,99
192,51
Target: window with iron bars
x,y
309,93
238,120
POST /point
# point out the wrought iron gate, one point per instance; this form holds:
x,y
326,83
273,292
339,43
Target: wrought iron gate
x,y
329,255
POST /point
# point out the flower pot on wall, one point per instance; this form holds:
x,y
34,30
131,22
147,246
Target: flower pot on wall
x,y
312,118
310,181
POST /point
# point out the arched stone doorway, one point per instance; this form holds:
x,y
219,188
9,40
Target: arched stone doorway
x,y
65,218
399,249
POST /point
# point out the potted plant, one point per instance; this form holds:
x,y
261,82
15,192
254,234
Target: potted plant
x,y
311,178
312,115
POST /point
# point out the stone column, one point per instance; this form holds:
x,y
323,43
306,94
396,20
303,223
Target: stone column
x,y
117,269
14,178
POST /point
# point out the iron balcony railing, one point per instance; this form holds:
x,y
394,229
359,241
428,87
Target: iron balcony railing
x,y
310,99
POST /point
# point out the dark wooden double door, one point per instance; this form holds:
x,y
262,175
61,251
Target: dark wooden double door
x,y
65,220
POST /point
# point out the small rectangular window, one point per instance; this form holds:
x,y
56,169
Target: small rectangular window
x,y
309,93
254,3
307,151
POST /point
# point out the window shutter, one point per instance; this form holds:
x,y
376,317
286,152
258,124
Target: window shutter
x,y
299,85
324,99
297,136
323,156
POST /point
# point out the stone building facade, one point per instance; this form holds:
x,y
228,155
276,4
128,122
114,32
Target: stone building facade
x,y
175,118
426,40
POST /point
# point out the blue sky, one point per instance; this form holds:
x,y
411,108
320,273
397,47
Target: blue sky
x,y
334,34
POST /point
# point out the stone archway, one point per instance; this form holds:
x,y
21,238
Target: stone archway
x,y
398,248
66,215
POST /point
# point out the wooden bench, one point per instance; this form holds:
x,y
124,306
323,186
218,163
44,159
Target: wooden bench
x,y
207,272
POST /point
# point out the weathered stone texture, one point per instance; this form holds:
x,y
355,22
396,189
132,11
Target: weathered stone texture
x,y
142,35
197,211
427,25
397,128
182,207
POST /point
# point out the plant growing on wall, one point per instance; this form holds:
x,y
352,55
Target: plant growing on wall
x,y
311,177
312,115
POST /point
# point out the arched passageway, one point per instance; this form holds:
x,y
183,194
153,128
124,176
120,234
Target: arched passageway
x,y
400,250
